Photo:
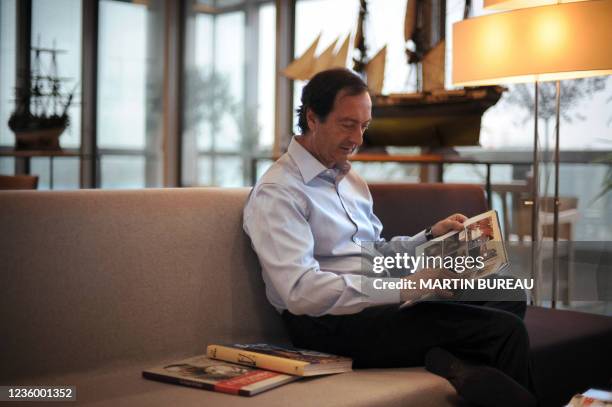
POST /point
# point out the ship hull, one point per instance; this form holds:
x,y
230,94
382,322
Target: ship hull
x,y
46,139
441,119
37,133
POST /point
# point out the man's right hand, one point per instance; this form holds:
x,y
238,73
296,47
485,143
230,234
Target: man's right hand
x,y
424,275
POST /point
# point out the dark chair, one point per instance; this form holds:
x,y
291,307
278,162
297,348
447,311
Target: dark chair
x,y
18,181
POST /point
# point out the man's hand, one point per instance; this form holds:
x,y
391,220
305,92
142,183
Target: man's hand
x,y
423,275
453,222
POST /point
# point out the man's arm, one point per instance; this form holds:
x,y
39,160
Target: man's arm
x,y
277,224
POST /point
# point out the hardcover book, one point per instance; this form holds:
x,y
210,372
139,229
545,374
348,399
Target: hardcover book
x,y
298,362
207,374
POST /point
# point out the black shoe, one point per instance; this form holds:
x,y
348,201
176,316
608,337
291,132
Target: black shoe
x,y
481,385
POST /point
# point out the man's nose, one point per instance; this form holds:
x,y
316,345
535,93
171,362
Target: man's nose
x,y
357,137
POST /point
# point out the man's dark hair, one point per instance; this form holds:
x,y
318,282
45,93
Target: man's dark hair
x,y
320,93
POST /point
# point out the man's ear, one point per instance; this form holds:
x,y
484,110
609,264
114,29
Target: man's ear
x,y
312,120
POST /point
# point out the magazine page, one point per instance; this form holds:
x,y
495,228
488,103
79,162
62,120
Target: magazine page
x,y
480,239
475,252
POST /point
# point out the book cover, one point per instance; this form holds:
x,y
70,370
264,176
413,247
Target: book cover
x,y
284,359
215,375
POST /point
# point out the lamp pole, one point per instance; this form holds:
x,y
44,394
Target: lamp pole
x,y
555,271
535,203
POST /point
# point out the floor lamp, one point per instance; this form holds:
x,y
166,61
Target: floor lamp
x,y
538,40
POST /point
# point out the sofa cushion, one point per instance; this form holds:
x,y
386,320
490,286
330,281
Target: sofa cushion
x,y
571,352
363,388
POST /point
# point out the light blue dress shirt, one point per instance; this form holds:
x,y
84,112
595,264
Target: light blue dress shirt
x,y
307,223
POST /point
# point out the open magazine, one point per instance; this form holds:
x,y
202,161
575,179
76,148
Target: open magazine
x,y
480,238
202,372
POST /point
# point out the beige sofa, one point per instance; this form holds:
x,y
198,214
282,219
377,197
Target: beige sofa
x,y
97,285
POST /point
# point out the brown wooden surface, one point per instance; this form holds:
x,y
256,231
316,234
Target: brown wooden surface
x,y
38,153
18,181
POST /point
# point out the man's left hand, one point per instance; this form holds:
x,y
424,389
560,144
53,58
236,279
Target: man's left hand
x,y
453,222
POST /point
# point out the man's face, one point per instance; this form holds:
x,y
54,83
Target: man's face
x,y
341,133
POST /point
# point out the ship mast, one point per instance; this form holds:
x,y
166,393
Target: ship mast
x,y
45,88
360,60
424,34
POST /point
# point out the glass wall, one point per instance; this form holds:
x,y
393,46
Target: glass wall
x,y
130,83
507,127
56,53
585,140
229,102
7,70
57,25
266,77
333,20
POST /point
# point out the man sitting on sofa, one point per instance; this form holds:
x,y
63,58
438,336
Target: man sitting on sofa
x,y
306,218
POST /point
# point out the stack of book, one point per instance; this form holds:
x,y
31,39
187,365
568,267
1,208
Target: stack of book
x,y
248,369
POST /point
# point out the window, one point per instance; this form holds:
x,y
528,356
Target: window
x,y
333,19
266,76
54,26
57,25
229,102
507,130
7,70
130,79
507,127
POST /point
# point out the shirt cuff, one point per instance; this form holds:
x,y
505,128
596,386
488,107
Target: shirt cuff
x,y
420,238
386,295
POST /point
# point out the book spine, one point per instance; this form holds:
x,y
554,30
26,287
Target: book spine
x,y
258,360
176,380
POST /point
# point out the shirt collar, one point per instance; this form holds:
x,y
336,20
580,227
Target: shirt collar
x,y
310,167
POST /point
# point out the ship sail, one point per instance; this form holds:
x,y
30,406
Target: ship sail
x,y
307,65
433,68
301,68
325,60
340,58
375,71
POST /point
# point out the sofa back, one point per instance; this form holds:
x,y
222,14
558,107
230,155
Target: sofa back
x,y
405,209
93,278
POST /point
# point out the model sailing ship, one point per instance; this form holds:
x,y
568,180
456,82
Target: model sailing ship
x,y
41,107
433,117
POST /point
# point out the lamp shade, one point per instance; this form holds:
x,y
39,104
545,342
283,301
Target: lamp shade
x,y
515,4
562,41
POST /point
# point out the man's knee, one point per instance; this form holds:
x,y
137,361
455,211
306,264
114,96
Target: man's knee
x,y
517,308
514,329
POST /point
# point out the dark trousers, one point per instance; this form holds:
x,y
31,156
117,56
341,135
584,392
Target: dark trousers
x,y
489,333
